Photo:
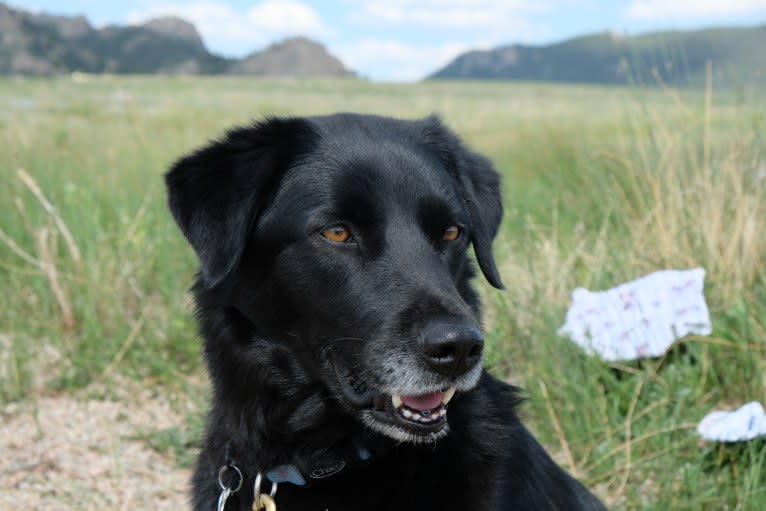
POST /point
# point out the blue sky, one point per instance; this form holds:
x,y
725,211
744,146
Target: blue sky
x,y
402,40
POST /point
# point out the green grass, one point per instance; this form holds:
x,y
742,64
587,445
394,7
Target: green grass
x,y
601,185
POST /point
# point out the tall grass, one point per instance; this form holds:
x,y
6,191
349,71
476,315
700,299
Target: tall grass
x,y
676,188
601,186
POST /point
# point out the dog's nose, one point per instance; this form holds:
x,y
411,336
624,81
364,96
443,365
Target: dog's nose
x,y
451,347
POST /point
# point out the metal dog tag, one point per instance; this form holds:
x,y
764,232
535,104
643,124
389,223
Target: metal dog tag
x,y
264,503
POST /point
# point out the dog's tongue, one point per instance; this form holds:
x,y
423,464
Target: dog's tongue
x,y
423,402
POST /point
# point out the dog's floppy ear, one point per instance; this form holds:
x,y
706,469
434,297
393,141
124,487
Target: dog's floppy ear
x,y
479,185
215,193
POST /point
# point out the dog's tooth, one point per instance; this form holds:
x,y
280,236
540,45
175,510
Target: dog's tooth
x,y
397,400
407,414
448,395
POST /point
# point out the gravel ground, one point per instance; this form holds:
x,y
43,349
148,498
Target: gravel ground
x,y
66,452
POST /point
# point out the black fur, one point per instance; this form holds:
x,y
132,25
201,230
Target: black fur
x,y
303,337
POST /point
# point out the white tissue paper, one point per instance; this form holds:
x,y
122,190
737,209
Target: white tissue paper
x,y
744,424
641,318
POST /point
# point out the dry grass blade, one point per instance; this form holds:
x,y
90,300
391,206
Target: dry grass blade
x,y
51,272
559,432
19,251
62,227
129,340
628,437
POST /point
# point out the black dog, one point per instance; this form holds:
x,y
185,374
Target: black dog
x,y
339,322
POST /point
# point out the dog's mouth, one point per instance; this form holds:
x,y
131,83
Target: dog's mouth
x,y
419,414
415,413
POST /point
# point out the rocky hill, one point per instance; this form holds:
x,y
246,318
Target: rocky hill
x,y
297,56
738,57
42,44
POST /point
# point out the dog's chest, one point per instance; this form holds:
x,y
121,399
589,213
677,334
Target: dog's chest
x,y
428,487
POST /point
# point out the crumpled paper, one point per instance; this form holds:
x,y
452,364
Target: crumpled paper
x,y
746,423
641,318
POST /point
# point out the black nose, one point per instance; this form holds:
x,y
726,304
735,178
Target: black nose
x,y
451,347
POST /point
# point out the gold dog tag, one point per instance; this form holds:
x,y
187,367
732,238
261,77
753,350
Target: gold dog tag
x,y
265,503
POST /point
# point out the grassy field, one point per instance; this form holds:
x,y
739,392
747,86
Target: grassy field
x,y
602,185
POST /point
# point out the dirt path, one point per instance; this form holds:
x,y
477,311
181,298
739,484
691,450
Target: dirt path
x,y
63,453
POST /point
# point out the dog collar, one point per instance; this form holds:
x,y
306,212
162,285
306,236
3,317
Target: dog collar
x,y
287,473
293,474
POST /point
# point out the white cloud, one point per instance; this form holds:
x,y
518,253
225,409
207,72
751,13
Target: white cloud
x,y
454,26
693,9
232,32
457,14
395,61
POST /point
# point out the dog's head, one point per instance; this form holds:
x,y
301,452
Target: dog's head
x,y
342,240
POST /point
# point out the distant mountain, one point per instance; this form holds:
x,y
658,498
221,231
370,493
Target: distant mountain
x,y
297,56
738,56
163,45
41,44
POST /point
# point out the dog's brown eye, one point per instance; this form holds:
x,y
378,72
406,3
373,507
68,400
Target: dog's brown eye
x,y
451,233
338,234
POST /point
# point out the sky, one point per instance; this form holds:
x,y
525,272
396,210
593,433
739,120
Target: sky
x,y
405,40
